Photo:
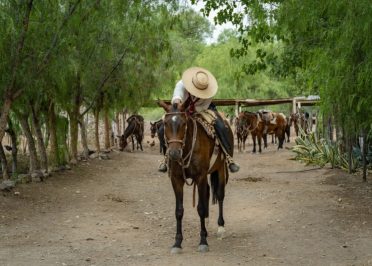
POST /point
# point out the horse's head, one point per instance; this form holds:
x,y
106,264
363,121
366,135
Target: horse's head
x,y
122,142
153,129
175,127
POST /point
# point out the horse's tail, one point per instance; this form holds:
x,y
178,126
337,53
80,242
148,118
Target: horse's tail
x,y
214,186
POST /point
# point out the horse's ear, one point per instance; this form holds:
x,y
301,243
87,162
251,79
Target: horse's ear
x,y
165,106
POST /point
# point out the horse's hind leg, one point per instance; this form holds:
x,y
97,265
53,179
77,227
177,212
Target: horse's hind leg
x,y
218,181
203,209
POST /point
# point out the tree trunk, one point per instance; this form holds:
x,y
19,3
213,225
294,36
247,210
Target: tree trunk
x,y
9,93
107,129
34,164
4,117
4,163
53,141
74,120
39,140
124,116
84,138
13,136
96,130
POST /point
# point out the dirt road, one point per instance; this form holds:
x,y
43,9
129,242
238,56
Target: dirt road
x,y
121,212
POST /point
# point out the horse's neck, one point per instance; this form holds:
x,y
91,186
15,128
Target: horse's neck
x,y
130,129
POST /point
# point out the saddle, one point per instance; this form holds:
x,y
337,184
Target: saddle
x,y
268,117
207,119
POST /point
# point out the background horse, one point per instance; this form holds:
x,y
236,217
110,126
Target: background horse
x,y
157,128
294,120
278,129
254,125
190,151
241,134
135,129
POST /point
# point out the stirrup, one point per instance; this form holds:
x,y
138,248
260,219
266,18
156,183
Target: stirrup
x,y
163,167
233,167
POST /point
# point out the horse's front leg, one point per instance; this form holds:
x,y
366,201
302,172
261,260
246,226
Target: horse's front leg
x,y
203,209
254,143
132,143
260,142
178,184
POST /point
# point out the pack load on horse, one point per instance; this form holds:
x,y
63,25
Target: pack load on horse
x,y
134,130
197,147
157,128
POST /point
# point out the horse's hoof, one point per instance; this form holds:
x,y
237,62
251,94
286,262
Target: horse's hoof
x,y
176,250
221,232
203,248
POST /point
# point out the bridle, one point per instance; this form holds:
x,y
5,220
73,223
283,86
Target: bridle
x,y
168,141
184,162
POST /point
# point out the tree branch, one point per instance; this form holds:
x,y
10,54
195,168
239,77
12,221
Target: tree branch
x,y
108,75
46,58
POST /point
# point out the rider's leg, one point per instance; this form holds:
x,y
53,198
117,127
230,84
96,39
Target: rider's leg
x,y
222,133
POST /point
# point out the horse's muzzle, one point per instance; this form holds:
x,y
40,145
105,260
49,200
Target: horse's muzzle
x,y
175,154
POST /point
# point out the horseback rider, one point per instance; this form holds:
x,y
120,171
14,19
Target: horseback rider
x,y
195,91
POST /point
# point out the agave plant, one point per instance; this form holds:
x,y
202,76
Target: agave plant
x,y
320,152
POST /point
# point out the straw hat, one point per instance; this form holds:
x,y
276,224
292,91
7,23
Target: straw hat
x,y
200,82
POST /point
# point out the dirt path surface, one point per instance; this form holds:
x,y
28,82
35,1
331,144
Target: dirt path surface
x,y
121,212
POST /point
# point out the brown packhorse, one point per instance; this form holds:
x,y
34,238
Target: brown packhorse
x,y
134,129
278,129
192,156
256,127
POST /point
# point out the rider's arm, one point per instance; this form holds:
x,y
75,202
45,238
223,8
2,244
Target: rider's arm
x,y
179,94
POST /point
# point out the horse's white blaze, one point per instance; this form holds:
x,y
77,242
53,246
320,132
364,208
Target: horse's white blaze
x,y
174,118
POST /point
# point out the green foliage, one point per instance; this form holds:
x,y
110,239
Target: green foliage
x,y
313,152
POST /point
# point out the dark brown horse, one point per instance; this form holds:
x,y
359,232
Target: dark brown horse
x,y
192,156
135,130
241,134
157,128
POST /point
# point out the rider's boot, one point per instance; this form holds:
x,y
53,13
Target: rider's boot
x,y
163,165
228,148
